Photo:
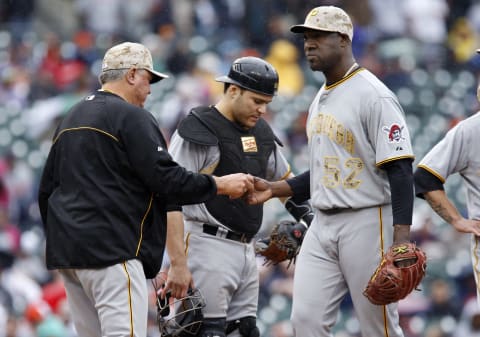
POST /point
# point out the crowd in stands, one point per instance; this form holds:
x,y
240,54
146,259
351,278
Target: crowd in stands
x,y
50,56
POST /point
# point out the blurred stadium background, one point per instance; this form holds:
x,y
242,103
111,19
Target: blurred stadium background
x,y
50,55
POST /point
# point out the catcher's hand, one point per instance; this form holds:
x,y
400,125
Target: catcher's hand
x,y
283,243
401,270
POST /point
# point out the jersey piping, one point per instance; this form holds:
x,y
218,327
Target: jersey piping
x,y
286,174
432,171
85,128
382,247
475,256
141,224
333,85
187,243
209,169
393,159
129,286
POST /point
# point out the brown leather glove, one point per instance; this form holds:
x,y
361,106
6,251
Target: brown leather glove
x,y
401,270
283,243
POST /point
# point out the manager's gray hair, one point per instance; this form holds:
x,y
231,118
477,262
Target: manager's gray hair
x,y
111,75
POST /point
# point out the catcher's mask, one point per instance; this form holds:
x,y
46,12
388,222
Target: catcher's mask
x,y
186,318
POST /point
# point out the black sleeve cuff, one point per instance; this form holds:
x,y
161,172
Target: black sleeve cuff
x,y
426,182
300,186
173,208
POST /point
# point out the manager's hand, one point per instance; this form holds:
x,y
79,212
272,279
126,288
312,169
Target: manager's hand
x,y
235,185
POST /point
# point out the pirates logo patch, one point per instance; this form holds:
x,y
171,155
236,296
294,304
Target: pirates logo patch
x,y
394,133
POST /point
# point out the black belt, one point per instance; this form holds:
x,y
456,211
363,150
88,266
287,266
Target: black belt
x,y
225,233
331,211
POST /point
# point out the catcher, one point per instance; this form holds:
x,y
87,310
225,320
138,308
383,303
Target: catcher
x,y
230,136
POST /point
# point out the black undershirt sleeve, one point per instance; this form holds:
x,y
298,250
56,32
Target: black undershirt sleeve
x,y
426,182
400,176
300,186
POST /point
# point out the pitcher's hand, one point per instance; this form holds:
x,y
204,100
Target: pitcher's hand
x,y
262,192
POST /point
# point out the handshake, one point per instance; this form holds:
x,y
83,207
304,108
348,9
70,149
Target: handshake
x,y
240,185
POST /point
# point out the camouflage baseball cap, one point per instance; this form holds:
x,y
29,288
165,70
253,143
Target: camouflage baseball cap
x,y
129,54
327,18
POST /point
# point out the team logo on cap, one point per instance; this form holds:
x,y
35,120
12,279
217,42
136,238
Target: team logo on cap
x,y
394,133
313,12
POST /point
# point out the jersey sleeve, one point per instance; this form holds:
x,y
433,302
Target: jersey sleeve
x,y
388,131
278,167
147,153
194,157
448,156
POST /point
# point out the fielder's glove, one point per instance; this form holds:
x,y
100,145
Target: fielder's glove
x,y
283,243
401,270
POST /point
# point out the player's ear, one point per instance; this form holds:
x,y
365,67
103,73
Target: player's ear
x,y
130,75
344,40
233,91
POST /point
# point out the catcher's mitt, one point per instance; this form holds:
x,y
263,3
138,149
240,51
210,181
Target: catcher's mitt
x,y
401,270
283,243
